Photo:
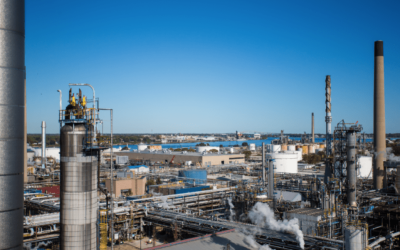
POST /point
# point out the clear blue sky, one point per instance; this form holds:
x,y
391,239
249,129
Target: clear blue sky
x,y
212,66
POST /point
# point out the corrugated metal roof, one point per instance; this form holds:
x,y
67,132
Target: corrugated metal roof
x,y
234,239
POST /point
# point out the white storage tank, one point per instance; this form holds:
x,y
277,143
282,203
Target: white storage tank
x,y
365,167
252,146
311,149
275,148
299,154
142,147
354,238
201,149
284,162
291,148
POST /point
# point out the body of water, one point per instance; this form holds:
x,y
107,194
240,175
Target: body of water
x,y
223,143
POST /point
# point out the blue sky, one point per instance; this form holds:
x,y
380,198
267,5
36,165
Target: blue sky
x,y
212,66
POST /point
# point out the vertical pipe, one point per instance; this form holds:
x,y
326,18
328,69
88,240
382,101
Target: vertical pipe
x,y
263,163
12,104
281,136
351,168
312,127
379,117
270,179
111,182
43,144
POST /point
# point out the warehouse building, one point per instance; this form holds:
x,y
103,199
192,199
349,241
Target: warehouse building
x,y
202,159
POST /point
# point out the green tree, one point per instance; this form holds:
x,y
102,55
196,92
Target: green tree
x,y
213,151
221,146
150,182
245,144
247,154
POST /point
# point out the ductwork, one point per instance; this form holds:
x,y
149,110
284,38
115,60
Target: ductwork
x,y
12,76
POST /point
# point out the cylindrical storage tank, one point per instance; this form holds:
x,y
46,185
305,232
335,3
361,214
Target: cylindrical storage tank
x,y
275,148
12,108
353,239
252,146
365,167
142,147
78,191
305,149
292,148
198,174
311,149
284,147
299,154
321,145
284,162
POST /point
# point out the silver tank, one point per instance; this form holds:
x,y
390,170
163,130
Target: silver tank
x,y
12,76
79,207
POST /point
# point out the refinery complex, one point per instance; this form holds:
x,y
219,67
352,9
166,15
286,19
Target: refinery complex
x,y
339,190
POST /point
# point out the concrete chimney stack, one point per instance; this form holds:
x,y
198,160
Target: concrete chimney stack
x,y
379,117
43,144
312,127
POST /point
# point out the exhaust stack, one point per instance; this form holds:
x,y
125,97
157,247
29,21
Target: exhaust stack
x,y
312,127
43,144
12,105
379,117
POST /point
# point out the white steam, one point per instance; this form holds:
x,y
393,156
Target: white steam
x,y
164,203
231,211
263,216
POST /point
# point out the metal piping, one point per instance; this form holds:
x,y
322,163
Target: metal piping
x,y
112,177
379,118
270,179
12,105
94,105
43,144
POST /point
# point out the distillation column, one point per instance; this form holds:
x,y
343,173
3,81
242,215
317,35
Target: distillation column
x,y
12,105
79,207
328,136
351,168
379,118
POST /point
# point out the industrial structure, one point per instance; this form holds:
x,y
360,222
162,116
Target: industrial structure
x,y
300,194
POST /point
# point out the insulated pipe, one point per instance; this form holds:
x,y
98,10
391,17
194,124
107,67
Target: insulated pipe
x,y
12,105
312,127
379,117
43,144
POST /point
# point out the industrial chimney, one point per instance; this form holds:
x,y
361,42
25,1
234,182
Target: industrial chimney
x,y
312,127
12,75
379,117
43,144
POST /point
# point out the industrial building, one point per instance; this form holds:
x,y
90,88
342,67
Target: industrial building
x,y
201,159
